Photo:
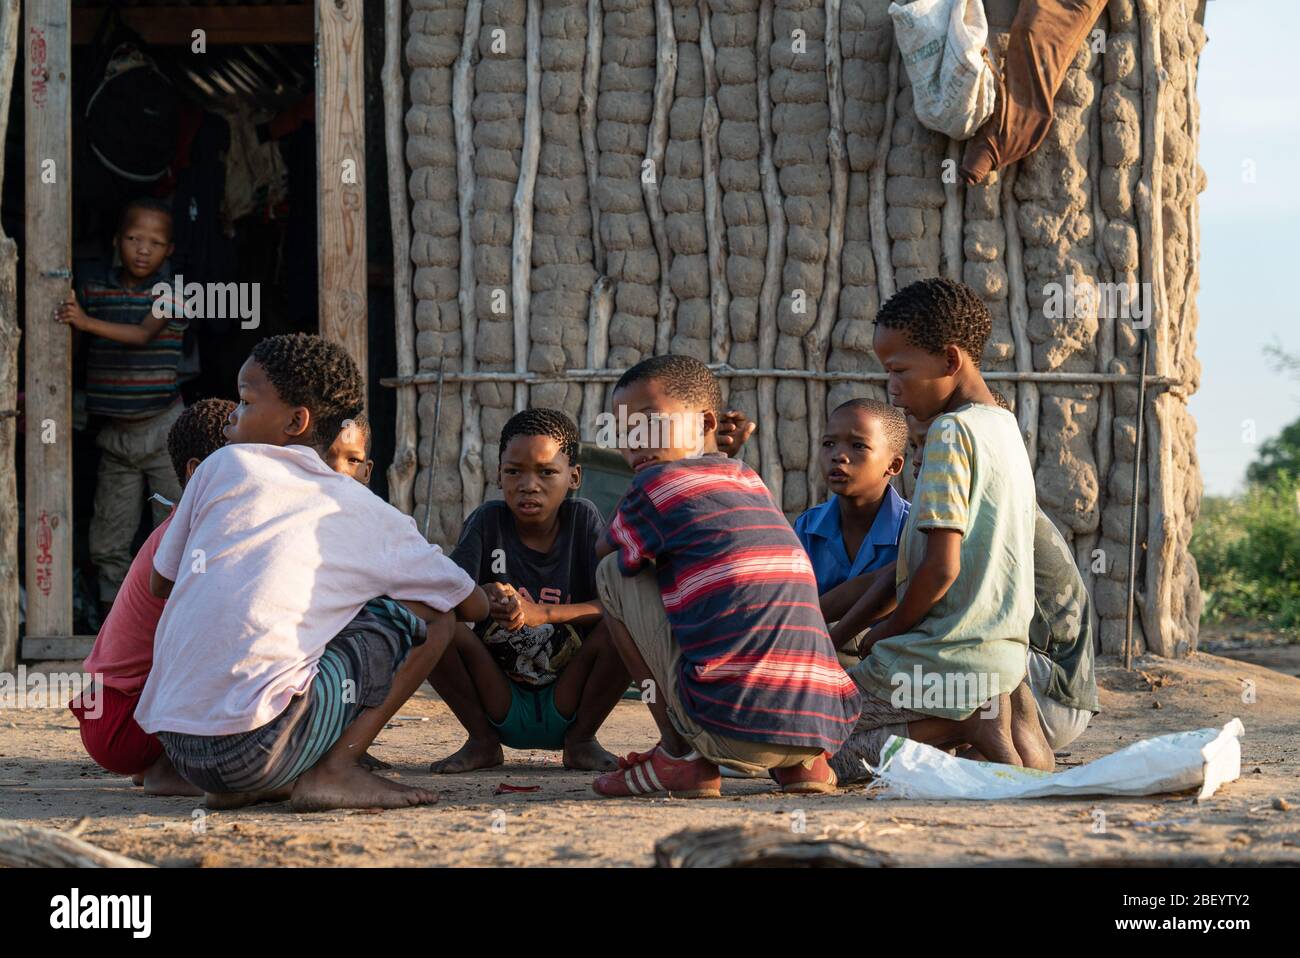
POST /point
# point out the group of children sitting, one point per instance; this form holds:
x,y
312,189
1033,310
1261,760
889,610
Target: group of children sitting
x,y
283,613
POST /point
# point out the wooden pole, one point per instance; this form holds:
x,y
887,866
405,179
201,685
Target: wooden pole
x,y
599,314
1156,620
652,172
30,846
1133,513
462,95
1194,214
950,225
341,166
724,371
1018,309
10,335
714,224
47,275
769,296
1084,545
876,189
816,342
521,253
401,473
587,124
430,488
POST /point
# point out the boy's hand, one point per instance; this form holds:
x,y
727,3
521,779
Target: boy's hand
x,y
70,313
511,609
497,592
734,429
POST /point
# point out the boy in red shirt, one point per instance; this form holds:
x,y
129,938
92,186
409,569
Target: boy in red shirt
x,y
123,651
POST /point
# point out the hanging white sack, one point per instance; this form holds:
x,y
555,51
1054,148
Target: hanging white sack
x,y
1203,760
942,45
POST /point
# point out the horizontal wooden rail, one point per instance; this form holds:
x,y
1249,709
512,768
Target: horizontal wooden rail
x,y
612,375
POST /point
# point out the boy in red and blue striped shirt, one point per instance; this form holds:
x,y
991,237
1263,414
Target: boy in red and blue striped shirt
x,y
712,604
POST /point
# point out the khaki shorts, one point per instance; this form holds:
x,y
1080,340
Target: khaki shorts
x,y
877,721
636,602
1062,724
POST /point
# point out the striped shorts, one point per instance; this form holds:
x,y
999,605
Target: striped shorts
x,y
354,672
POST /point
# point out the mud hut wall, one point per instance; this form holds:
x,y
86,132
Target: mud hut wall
x,y
1075,204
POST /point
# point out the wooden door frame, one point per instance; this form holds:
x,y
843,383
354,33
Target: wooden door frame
x,y
47,254
47,272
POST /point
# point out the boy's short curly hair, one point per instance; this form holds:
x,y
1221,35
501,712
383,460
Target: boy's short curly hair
x,y
197,433
308,370
937,313
684,378
542,422
892,421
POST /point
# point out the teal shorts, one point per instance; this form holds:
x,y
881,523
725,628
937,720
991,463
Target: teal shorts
x,y
533,720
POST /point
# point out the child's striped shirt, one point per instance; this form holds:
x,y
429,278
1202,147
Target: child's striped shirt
x,y
742,601
131,382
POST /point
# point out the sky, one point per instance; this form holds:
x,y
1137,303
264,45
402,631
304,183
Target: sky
x,y
1249,89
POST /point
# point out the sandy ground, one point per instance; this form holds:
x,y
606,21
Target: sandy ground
x,y
1247,642
46,779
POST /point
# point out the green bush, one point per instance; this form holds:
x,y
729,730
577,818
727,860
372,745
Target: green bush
x,y
1247,550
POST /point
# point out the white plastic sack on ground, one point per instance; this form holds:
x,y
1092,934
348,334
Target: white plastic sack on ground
x,y
941,42
1203,759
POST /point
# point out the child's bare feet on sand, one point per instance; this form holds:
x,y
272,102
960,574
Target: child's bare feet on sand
x,y
988,731
348,785
588,755
223,801
161,778
372,764
1027,731
474,754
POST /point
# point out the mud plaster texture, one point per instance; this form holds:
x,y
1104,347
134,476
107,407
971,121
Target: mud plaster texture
x,y
1078,216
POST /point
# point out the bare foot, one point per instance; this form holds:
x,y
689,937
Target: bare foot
x,y
587,755
223,801
1027,731
137,779
475,753
372,764
988,731
161,778
324,787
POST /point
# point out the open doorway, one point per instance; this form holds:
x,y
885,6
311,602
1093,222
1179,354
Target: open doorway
x,y
248,122
208,113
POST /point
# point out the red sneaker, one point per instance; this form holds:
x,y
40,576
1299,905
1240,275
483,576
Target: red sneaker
x,y
817,778
657,773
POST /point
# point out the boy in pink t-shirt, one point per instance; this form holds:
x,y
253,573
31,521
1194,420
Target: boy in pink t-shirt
x,y
123,650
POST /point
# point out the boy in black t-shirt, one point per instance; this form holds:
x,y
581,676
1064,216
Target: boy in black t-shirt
x,y
540,672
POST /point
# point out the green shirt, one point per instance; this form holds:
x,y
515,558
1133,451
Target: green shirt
x,y
1062,627
973,644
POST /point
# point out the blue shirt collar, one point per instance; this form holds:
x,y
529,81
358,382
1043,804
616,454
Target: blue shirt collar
x,y
888,524
884,530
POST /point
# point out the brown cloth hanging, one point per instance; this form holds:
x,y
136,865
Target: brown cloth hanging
x,y
1045,38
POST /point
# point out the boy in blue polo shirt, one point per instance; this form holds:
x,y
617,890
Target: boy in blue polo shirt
x,y
856,531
